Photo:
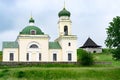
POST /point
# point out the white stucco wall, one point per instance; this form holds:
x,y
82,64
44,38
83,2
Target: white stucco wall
x,y
55,51
25,41
6,54
64,40
98,50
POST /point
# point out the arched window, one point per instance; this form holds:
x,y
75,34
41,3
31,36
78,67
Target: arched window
x,y
33,46
69,44
65,30
32,32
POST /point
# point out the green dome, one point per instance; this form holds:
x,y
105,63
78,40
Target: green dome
x,y
28,31
31,20
64,12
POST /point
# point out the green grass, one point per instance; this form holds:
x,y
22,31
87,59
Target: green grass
x,y
106,58
64,71
83,73
103,57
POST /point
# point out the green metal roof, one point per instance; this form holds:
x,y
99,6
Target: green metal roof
x,y
10,44
64,12
54,45
28,29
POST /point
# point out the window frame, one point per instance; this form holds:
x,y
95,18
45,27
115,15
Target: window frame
x,y
40,57
69,56
65,30
35,46
69,44
54,57
31,32
27,56
11,56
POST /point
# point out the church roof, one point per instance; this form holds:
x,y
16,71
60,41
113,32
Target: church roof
x,y
64,12
54,45
10,44
27,30
90,44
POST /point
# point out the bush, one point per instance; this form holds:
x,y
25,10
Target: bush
x,y
116,54
85,58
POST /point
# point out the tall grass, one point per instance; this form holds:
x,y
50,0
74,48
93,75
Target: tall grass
x,y
33,73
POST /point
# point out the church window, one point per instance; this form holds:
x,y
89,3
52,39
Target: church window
x,y
27,56
33,46
69,44
39,56
54,57
65,30
69,56
11,56
33,32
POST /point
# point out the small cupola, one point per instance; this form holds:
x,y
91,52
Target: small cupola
x,y
31,20
64,12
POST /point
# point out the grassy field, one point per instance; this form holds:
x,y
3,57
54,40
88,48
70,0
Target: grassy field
x,y
80,73
95,72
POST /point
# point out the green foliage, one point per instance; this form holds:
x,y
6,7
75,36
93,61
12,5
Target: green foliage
x,y
0,52
85,58
113,33
106,51
113,37
116,54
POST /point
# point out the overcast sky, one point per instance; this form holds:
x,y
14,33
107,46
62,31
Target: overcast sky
x,y
89,18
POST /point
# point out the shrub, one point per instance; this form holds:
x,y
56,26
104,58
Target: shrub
x,y
85,58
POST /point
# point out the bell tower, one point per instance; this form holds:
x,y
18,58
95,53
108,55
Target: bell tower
x,y
66,39
64,23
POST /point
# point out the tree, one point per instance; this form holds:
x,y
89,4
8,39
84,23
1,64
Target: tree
x,y
85,58
113,37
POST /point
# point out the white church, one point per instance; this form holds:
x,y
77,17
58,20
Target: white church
x,y
32,44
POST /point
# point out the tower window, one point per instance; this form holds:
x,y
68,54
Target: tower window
x,y
65,30
33,46
69,44
33,32
54,57
69,56
27,56
11,56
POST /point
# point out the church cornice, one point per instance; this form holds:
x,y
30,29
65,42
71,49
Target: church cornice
x,y
33,37
69,37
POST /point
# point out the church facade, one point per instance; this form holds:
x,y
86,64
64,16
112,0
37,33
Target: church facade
x,y
33,45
